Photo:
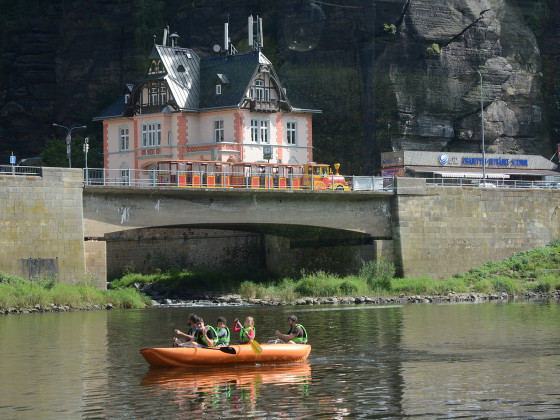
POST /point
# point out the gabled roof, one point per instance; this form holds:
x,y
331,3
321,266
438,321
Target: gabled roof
x,y
192,80
239,70
183,75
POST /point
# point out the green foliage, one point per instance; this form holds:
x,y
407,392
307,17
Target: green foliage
x,y
433,50
377,274
54,154
389,29
419,285
325,284
19,293
147,21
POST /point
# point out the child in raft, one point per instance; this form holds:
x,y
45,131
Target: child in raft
x,y
247,334
222,331
204,336
186,337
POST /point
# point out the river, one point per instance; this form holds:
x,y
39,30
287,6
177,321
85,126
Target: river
x,y
497,360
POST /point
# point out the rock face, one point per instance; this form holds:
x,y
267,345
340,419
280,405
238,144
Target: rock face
x,y
416,63
438,92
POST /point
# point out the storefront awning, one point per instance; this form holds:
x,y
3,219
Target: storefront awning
x,y
503,173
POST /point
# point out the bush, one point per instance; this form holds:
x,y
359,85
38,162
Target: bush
x,y
389,29
433,50
419,285
318,284
377,274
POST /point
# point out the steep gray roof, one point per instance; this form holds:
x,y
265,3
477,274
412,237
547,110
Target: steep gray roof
x,y
192,80
183,75
238,70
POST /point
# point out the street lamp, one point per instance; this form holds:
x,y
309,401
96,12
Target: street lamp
x,y
68,140
482,125
86,148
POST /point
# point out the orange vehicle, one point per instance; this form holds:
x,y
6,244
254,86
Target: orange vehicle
x,y
252,175
183,173
320,177
240,354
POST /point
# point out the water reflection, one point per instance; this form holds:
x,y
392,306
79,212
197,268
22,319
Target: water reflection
x,y
230,389
433,361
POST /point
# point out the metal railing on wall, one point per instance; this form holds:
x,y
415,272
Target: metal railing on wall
x,y
21,170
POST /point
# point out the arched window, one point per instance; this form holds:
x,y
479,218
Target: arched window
x,y
259,91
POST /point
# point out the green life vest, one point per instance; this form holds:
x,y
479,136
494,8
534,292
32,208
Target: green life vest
x,y
299,340
201,339
244,337
222,341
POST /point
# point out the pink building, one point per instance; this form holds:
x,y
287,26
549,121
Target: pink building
x,y
227,107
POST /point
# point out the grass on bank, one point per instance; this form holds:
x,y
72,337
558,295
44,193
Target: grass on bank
x,y
535,271
19,293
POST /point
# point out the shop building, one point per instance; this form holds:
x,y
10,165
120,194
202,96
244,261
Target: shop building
x,y
460,167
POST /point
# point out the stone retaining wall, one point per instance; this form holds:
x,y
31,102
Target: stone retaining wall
x,y
41,225
440,231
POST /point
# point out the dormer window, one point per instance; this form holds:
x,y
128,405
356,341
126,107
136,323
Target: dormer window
x,y
156,66
218,89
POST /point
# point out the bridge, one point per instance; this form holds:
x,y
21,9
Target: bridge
x,y
53,223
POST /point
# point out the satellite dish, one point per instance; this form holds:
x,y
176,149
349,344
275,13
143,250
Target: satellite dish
x,y
216,48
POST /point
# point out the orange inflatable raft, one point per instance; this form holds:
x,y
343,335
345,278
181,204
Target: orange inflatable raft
x,y
232,355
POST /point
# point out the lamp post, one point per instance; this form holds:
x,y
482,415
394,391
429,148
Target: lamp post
x,y
68,140
482,126
86,148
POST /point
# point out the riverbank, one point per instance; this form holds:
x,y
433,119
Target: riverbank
x,y
529,275
217,299
211,299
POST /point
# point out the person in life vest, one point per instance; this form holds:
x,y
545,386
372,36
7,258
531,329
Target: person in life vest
x,y
204,336
222,333
186,337
297,333
247,334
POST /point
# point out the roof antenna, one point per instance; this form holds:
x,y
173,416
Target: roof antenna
x,y
228,46
255,34
165,32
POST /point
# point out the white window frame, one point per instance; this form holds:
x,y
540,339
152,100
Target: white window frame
x,y
219,131
254,130
151,134
291,132
260,130
218,89
124,138
264,132
259,91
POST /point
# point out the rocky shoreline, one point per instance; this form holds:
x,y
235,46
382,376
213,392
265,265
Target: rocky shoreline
x,y
210,299
217,299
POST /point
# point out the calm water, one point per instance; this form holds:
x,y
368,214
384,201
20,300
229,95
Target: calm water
x,y
431,361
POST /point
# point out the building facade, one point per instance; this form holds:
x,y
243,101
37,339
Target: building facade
x,y
227,107
451,165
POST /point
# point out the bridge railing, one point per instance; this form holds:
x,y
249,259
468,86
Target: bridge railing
x,y
21,170
201,179
492,183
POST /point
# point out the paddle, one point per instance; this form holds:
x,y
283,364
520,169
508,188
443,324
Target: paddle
x,y
228,350
254,344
